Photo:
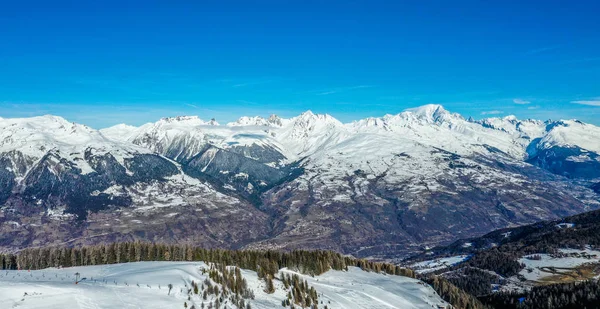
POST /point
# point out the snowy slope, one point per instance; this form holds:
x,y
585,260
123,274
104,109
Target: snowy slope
x,y
572,133
116,286
434,126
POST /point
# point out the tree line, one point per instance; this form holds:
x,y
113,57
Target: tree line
x,y
574,295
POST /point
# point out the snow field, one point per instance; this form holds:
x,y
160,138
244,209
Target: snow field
x,y
116,286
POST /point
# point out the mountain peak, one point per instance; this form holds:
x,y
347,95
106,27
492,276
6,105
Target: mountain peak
x,y
47,119
273,120
212,122
430,113
307,113
179,119
428,110
309,116
188,120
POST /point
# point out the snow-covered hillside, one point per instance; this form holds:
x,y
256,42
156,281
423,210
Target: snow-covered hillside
x,y
428,266
145,285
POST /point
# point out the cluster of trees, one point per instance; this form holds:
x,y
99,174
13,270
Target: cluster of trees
x,y
300,293
8,261
234,289
575,295
535,257
474,281
454,295
502,262
231,279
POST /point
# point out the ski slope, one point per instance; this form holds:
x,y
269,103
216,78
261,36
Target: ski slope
x,y
144,285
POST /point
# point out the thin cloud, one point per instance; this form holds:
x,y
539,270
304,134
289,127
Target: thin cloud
x,y
587,102
494,112
328,92
239,83
540,50
191,105
342,89
533,107
521,101
247,102
251,83
580,60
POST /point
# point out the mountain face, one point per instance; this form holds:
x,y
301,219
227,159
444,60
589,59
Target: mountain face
x,y
376,187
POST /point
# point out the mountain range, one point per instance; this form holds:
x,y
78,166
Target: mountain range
x,y
378,187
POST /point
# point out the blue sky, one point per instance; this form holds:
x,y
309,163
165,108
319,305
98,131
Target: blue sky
x,y
108,62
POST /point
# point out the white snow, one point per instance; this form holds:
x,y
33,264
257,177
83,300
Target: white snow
x,y
576,258
573,133
437,264
105,287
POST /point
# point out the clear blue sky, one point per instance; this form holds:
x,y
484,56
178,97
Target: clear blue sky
x,y
108,62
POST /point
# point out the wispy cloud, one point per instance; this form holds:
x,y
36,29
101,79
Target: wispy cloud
x,y
533,107
580,60
191,105
540,50
521,101
252,83
494,112
246,102
239,83
587,102
342,89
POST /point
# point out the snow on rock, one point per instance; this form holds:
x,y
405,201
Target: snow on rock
x,y
272,121
35,137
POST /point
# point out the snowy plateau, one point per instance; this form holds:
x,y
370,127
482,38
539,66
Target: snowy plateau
x,y
378,187
145,285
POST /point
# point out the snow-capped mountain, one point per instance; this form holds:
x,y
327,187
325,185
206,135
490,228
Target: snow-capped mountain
x,y
374,186
53,172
